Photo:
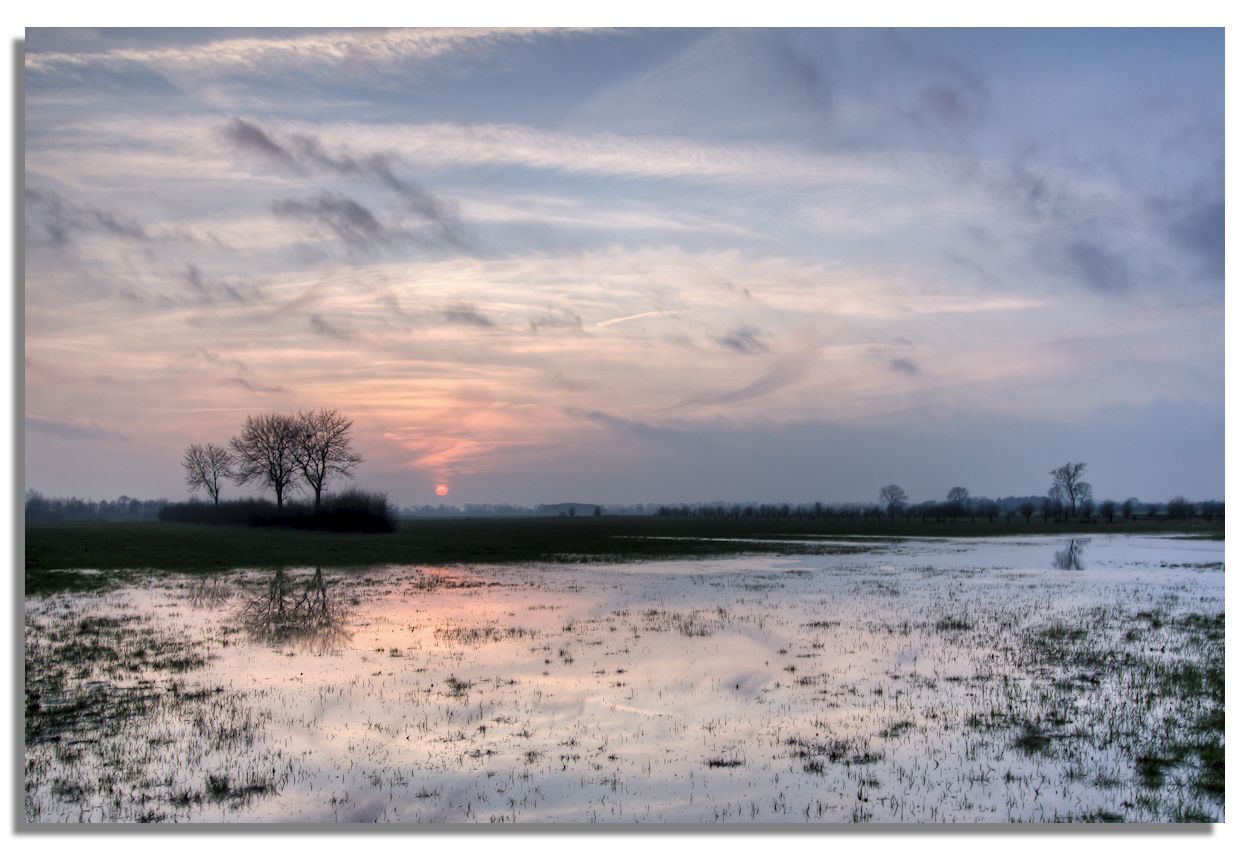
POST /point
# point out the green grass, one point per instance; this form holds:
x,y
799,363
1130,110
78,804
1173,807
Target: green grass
x,y
57,553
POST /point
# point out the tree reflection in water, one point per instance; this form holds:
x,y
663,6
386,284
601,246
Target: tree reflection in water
x,y
1069,557
291,612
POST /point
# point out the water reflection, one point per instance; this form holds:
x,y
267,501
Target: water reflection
x,y
209,592
289,611
730,689
1069,557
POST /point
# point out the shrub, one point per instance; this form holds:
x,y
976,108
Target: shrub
x,y
350,510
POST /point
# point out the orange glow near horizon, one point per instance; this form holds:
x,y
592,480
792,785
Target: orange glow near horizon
x,y
441,490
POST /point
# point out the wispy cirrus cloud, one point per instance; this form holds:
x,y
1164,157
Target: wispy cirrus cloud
x,y
87,429
328,50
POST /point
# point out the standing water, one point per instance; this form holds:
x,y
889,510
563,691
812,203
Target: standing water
x,y
1012,679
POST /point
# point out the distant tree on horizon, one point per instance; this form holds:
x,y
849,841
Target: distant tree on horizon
x,y
1129,509
1180,508
959,498
1069,486
894,497
1107,509
205,466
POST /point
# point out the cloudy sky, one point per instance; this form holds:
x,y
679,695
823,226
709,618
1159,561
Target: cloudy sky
x,y
622,266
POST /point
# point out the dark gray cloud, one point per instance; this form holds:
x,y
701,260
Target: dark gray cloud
x,y
1095,266
347,219
217,360
945,106
52,220
553,320
56,221
73,430
951,95
466,314
246,136
905,366
783,372
744,340
979,272
323,328
440,212
808,74
391,302
1084,237
1029,189
305,153
256,388
1201,231
211,291
1072,237
873,88
629,426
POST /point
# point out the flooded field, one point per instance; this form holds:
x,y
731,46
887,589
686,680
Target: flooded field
x,y
1010,679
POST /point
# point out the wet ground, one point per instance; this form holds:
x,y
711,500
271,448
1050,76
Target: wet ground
x,y
1022,679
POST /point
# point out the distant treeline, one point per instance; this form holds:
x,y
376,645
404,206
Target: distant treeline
x,y
40,508
509,510
351,510
1026,509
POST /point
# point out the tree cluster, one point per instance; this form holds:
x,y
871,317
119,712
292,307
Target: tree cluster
x,y
279,452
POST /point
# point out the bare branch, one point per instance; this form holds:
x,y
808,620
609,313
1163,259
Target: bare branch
x,y
266,452
324,449
205,466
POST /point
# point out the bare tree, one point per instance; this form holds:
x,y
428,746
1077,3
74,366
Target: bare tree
x,y
1107,509
1054,502
266,451
1129,509
323,449
205,466
894,497
1068,482
1026,511
1069,557
1180,508
959,497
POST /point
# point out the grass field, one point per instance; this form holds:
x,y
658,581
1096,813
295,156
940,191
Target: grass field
x,y
56,554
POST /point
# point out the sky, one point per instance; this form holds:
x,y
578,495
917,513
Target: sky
x,y
631,265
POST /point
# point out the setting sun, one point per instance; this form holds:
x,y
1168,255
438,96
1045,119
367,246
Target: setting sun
x,y
440,490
